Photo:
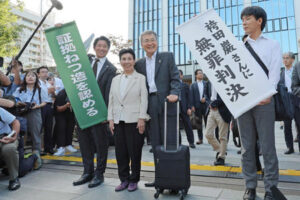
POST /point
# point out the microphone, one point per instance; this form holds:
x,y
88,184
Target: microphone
x,y
57,4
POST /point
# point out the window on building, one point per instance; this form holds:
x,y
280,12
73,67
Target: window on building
x,y
147,16
281,24
180,11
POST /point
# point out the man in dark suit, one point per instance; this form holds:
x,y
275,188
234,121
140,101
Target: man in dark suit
x,y
198,101
185,110
219,116
95,138
163,82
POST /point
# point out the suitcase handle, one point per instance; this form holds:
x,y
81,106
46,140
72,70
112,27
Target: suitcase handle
x,y
165,125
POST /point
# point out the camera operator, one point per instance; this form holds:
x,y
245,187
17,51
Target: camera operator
x,y
15,76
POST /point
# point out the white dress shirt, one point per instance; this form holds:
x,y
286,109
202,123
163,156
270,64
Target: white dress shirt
x,y
269,52
150,67
288,78
213,94
200,88
123,84
59,86
99,66
44,86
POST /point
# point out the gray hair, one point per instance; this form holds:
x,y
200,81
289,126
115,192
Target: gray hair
x,y
148,32
290,54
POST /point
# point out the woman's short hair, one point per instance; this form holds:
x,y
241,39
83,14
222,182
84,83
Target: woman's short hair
x,y
129,50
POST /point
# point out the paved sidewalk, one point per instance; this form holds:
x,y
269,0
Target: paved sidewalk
x,y
45,185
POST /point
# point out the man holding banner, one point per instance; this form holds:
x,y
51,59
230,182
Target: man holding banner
x,y
261,118
95,138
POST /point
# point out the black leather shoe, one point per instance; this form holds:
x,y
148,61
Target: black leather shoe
x,y
83,179
97,180
192,146
289,151
48,151
219,161
250,194
150,184
14,184
151,150
268,196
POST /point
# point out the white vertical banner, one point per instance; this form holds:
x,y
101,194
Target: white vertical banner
x,y
233,72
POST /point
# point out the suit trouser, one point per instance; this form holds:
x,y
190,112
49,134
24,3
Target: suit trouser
x,y
260,119
91,140
187,127
9,153
200,112
297,117
34,126
47,116
156,129
214,120
128,147
288,134
64,128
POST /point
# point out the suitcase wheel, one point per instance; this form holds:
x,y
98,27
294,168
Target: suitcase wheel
x,y
158,192
181,193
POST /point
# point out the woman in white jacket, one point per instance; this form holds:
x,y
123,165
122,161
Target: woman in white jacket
x,y
127,113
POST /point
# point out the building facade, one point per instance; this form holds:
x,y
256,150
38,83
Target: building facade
x,y
37,52
163,16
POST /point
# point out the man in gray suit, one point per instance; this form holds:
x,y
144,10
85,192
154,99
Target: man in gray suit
x,y
163,82
95,138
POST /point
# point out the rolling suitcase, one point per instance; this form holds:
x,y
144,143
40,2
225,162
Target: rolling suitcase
x,y
172,167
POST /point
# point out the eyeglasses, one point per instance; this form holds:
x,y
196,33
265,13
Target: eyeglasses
x,y
149,40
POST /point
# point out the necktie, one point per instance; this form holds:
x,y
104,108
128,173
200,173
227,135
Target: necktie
x,y
95,66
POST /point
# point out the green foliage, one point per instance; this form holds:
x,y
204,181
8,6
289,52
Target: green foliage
x,y
9,29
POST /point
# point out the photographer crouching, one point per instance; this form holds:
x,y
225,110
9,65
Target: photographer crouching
x,y
9,145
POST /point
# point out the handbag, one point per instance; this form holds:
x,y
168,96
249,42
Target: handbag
x,y
23,109
284,109
195,121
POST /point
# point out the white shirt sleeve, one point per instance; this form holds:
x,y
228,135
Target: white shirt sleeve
x,y
275,65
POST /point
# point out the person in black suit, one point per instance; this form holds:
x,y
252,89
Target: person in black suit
x,y
95,138
185,110
198,101
163,82
218,116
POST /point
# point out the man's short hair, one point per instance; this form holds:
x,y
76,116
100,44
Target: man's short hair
x,y
42,67
148,32
102,38
290,54
129,50
197,70
180,71
257,12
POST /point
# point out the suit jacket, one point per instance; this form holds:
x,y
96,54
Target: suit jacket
x,y
222,108
107,73
166,76
195,95
185,97
296,80
133,105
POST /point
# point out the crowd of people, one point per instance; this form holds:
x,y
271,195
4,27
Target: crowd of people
x,y
29,101
135,100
